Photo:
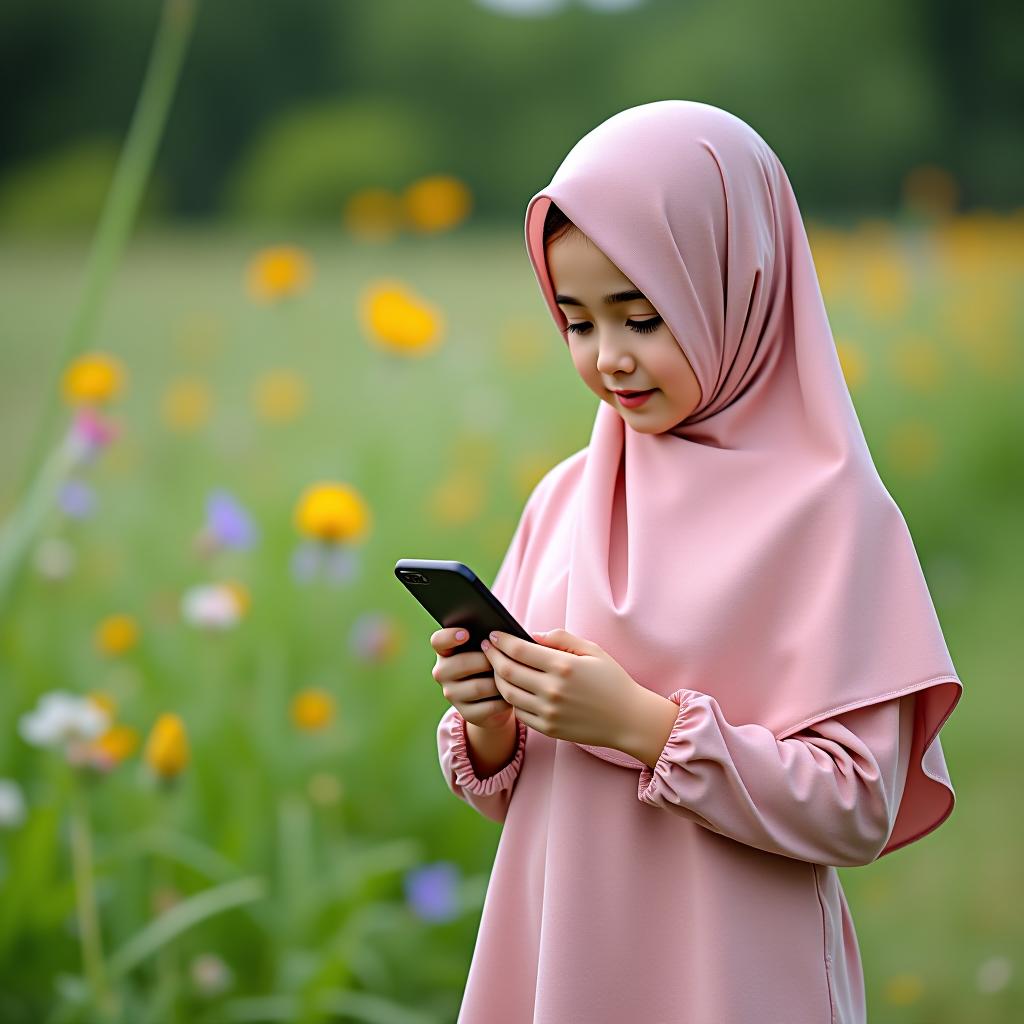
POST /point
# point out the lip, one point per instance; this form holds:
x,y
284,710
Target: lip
x,y
632,400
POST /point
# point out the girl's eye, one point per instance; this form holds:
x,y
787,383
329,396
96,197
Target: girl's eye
x,y
640,326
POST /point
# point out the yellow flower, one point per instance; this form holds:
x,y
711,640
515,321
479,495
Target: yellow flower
x,y
116,634
437,203
853,364
186,403
373,213
459,499
904,989
915,361
277,272
167,750
913,447
396,319
279,395
332,512
93,378
241,594
104,701
116,744
312,709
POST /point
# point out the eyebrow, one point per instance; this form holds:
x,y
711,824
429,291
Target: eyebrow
x,y
609,300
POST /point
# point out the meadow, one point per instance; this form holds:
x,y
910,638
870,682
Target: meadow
x,y
268,836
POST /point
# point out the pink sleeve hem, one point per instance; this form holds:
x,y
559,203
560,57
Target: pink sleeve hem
x,y
649,777
466,775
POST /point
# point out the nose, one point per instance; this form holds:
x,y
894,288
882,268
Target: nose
x,y
613,354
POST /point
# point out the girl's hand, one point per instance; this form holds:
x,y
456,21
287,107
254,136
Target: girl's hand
x,y
467,682
563,686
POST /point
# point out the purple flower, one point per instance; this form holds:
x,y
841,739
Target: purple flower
x,y
77,499
432,891
227,523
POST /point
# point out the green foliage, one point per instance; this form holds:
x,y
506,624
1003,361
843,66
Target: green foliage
x,y
65,190
307,162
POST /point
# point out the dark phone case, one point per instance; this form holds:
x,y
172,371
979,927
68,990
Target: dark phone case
x,y
455,596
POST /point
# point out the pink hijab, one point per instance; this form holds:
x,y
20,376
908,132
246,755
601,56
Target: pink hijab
x,y
753,553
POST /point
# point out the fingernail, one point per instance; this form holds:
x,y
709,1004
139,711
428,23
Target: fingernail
x,y
461,635
485,645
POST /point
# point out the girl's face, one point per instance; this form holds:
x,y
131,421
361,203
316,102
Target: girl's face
x,y
621,344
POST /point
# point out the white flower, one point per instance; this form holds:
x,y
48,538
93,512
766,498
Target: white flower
x,y
12,803
61,718
211,606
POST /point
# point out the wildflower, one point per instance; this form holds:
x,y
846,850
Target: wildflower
x,y
374,637
277,272
167,750
279,395
210,974
12,804
903,989
77,499
116,634
228,525
312,709
89,434
437,203
332,512
374,213
54,558
993,975
431,891
324,789
61,718
186,403
214,605
92,379
399,321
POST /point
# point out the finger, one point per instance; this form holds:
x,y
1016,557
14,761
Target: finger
x,y
520,699
449,639
526,652
522,676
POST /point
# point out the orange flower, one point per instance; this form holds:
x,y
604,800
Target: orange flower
x,y
167,750
116,634
312,709
92,379
399,321
277,272
279,395
332,512
373,213
437,203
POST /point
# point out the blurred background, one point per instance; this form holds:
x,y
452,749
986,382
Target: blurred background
x,y
269,325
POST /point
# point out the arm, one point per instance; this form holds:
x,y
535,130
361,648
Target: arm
x,y
828,794
488,794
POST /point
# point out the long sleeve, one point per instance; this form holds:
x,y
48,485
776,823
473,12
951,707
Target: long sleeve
x,y
828,794
489,795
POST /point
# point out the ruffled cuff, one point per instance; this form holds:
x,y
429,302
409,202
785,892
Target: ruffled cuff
x,y
465,773
673,752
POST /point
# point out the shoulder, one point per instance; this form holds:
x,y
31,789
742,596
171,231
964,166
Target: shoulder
x,y
559,482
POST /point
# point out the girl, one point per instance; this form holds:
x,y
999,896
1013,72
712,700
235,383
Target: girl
x,y
746,677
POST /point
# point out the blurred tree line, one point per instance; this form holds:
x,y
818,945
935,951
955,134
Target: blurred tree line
x,y
285,108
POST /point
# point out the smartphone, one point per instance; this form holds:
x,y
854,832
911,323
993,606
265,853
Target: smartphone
x,y
455,596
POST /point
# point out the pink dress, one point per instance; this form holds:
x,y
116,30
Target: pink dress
x,y
704,892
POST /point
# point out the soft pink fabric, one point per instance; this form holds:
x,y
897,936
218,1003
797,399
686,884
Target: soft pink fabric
x,y
751,552
601,910
704,892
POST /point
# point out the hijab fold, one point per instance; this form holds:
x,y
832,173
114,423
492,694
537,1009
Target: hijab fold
x,y
750,552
